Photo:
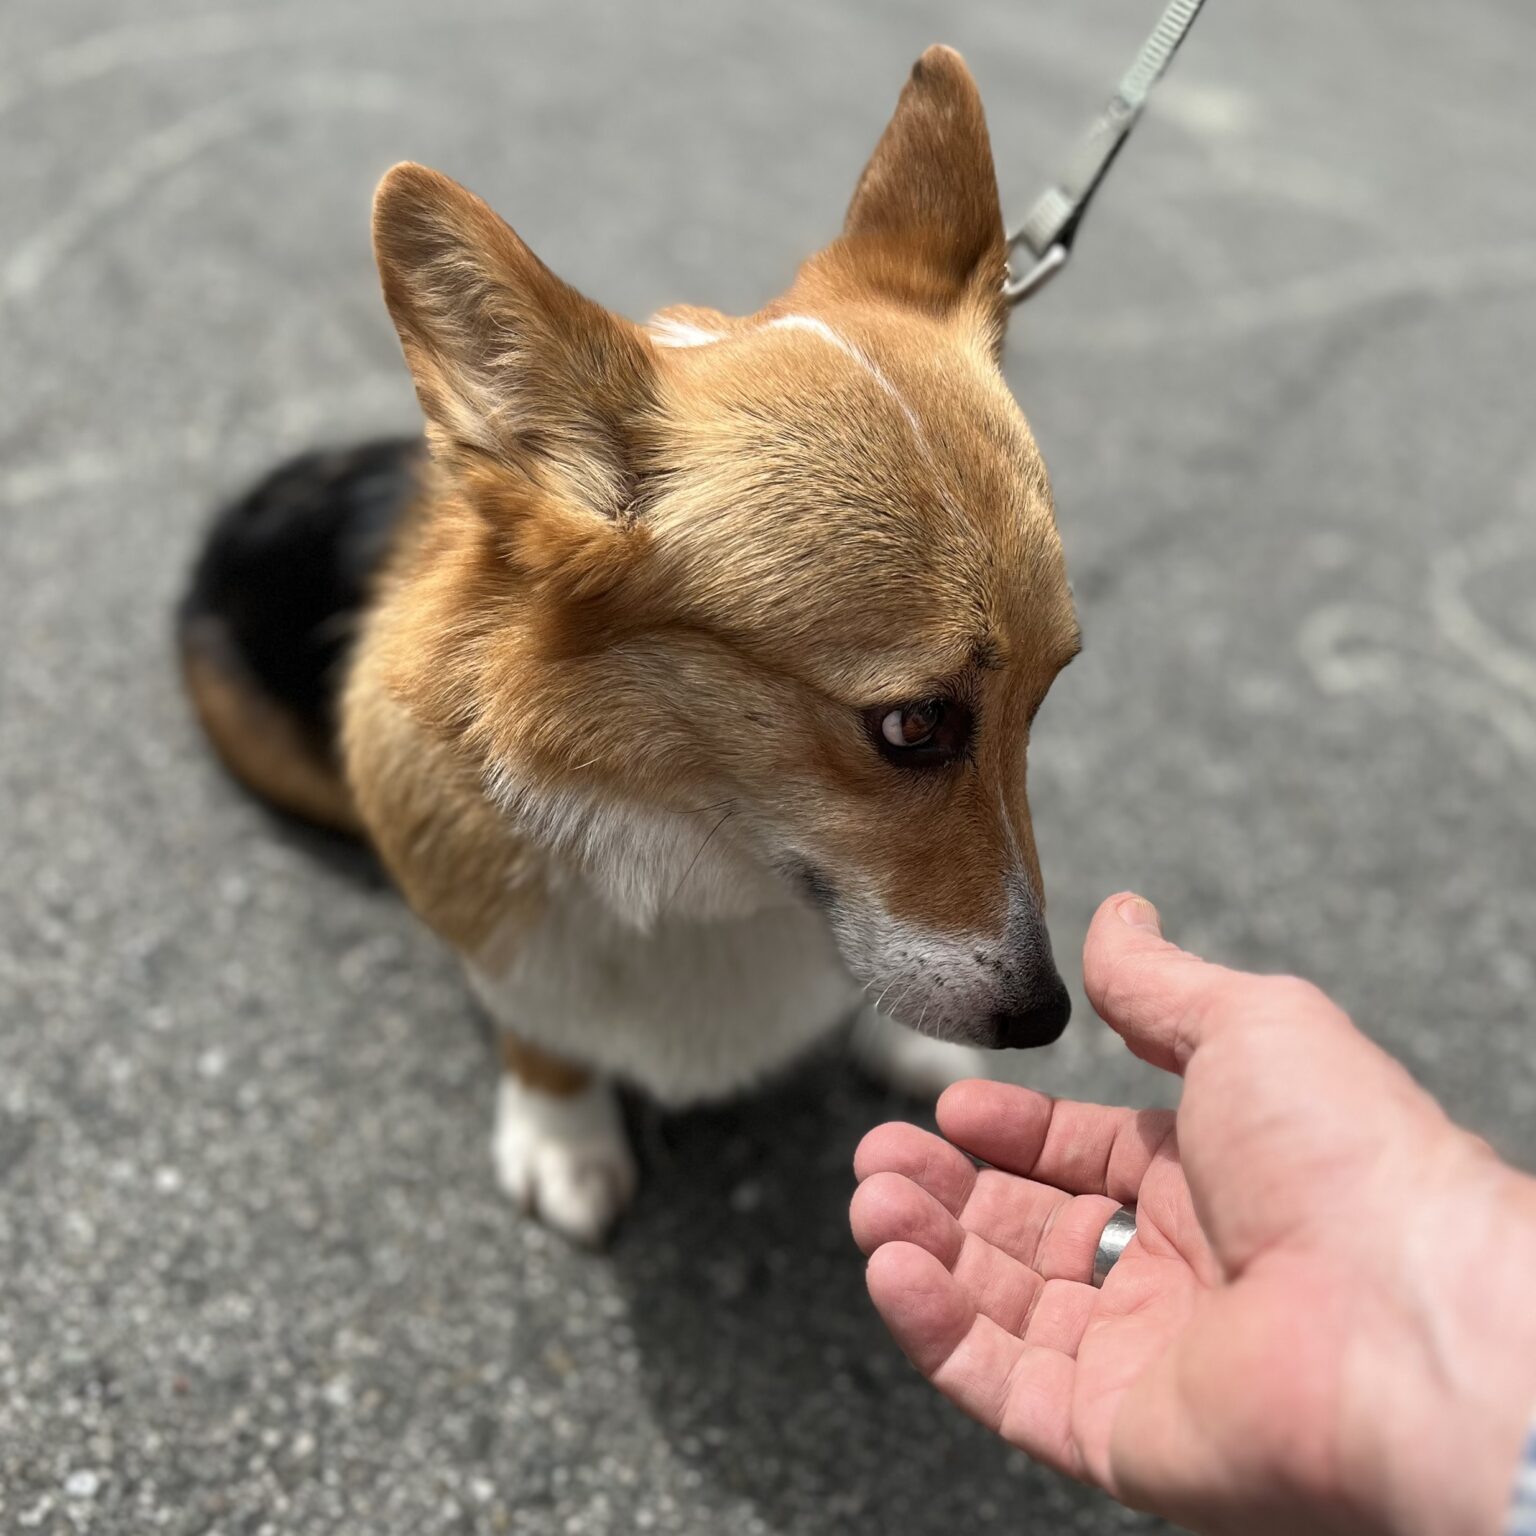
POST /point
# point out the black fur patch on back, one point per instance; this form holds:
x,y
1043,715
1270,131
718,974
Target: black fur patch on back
x,y
288,567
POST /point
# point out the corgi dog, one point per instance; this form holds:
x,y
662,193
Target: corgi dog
x,y
683,677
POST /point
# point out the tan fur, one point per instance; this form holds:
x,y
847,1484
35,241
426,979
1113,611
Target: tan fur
x,y
259,743
538,1070
454,857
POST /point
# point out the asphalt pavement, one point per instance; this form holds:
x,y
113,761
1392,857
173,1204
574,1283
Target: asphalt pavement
x,y
254,1272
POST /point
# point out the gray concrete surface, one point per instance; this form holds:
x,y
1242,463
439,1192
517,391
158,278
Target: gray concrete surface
x,y
255,1274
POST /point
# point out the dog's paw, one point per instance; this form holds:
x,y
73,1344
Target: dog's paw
x,y
565,1159
916,1065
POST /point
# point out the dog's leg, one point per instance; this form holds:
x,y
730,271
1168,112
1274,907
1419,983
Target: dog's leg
x,y
914,1064
560,1148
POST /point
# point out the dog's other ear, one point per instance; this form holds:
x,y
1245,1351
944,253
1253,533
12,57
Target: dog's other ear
x,y
510,363
925,225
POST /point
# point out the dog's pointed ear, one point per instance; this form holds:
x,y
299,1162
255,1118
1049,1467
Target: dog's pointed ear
x,y
510,363
925,224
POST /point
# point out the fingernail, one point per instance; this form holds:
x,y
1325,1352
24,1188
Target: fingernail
x,y
1137,912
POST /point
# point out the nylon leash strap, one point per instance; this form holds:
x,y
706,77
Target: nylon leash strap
x,y
1051,225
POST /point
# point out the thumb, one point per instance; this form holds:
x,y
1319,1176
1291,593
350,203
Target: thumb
x,y
1159,999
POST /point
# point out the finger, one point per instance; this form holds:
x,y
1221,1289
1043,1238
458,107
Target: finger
x,y
1057,1235
1061,1316
927,1311
917,1188
888,1208
1082,1148
944,1171
1054,1234
1159,999
1013,1243
1016,1389
1043,1228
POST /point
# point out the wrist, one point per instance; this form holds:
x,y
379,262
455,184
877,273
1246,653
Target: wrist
x,y
1450,1401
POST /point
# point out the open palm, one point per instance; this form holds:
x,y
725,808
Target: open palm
x,y
984,1274
1231,1370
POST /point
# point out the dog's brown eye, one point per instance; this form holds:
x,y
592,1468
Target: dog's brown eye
x,y
922,734
913,724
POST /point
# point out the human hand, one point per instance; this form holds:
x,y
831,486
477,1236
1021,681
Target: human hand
x,y
1325,1320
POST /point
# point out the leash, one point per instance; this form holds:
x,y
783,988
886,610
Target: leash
x,y
1051,225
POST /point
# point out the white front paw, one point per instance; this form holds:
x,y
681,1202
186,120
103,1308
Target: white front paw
x,y
914,1064
565,1159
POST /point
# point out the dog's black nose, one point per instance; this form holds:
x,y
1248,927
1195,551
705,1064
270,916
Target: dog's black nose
x,y
1039,1022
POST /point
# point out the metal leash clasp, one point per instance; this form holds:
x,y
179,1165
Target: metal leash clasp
x,y
1050,226
1017,289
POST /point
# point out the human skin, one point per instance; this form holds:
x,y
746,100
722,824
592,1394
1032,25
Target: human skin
x,y
1327,1318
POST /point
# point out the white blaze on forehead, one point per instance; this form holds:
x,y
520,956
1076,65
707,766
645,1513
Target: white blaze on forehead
x,y
857,355
820,328
679,333
667,332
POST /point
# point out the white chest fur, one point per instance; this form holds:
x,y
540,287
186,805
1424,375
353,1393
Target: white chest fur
x,y
667,955
686,1009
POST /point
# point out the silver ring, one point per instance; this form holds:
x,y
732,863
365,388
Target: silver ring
x,y
1118,1231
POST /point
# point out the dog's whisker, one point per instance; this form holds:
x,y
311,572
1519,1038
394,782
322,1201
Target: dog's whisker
x,y
693,862
901,997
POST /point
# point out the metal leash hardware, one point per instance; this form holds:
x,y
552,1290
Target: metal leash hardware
x,y
1051,225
